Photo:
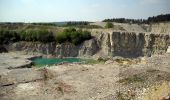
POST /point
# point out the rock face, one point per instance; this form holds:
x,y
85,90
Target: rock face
x,y
16,68
21,75
104,44
168,50
131,44
127,44
160,27
88,48
65,50
14,62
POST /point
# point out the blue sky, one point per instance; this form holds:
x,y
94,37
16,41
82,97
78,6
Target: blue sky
x,y
77,10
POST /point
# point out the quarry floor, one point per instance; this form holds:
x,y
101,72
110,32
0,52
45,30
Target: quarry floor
x,y
143,78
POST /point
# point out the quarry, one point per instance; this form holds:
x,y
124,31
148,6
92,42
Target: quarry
x,y
127,62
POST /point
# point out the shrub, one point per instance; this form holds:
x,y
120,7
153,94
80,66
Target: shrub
x,y
7,36
26,35
61,37
68,35
73,36
109,25
37,35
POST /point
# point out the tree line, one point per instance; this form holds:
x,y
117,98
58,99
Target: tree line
x,y
159,18
68,35
75,23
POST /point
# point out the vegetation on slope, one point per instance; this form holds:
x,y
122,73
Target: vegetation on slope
x,y
36,35
72,35
109,25
6,36
68,35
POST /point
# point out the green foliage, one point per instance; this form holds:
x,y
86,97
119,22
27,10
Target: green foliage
x,y
61,37
73,36
68,35
90,61
7,36
77,23
125,96
88,26
100,59
109,25
26,35
37,35
132,79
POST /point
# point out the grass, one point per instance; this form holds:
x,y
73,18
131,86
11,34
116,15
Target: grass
x,y
92,61
126,61
152,70
132,79
124,96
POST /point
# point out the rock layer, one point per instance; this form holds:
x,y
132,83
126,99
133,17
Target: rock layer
x,y
104,44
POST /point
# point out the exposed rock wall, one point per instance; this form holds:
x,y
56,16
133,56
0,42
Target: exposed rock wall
x,y
163,27
127,44
66,50
104,44
88,48
131,44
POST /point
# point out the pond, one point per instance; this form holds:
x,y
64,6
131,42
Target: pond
x,y
52,61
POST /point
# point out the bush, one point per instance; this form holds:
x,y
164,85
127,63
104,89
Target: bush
x,y
37,35
68,35
26,35
109,25
73,36
7,36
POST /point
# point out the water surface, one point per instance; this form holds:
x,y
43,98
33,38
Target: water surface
x,y
52,61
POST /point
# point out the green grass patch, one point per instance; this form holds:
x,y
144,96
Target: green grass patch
x,y
91,61
124,96
132,79
151,70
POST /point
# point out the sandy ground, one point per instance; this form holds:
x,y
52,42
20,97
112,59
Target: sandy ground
x,y
118,79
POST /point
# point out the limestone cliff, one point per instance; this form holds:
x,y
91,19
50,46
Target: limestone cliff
x,y
104,44
163,27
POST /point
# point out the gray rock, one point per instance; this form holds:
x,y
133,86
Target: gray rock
x,y
88,48
104,44
12,63
20,76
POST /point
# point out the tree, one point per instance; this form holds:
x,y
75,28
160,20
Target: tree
x,y
109,25
73,36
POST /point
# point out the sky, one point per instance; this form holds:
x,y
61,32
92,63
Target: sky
x,y
79,10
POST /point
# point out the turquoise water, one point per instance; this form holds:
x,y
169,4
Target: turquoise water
x,y
52,61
